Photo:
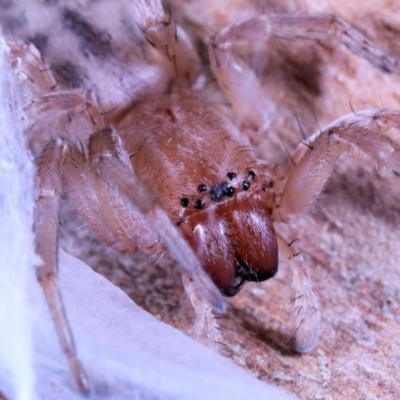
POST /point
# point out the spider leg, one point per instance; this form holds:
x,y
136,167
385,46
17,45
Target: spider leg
x,y
79,106
205,328
305,316
375,133
236,78
46,228
169,39
73,112
239,81
109,215
331,26
26,60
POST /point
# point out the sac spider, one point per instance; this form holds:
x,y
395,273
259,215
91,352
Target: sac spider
x,y
171,172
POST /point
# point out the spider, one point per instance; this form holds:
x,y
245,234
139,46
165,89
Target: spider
x,y
172,172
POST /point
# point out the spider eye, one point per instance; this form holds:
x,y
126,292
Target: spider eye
x,y
184,202
251,174
199,204
229,191
246,185
231,175
202,187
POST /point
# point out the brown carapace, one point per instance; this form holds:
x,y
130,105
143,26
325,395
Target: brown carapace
x,y
208,183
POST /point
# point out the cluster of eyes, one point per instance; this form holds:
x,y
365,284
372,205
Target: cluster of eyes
x,y
229,191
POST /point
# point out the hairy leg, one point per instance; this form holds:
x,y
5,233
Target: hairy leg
x,y
49,187
170,40
239,81
102,207
305,316
205,328
375,133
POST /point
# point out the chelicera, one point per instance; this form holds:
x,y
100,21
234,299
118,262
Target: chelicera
x,y
171,172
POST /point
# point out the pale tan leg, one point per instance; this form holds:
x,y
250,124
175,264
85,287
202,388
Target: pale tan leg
x,y
46,228
375,133
79,106
25,59
236,78
74,112
306,315
331,26
170,40
111,219
205,328
99,202
241,84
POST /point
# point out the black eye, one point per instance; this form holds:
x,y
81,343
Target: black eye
x,y
229,191
252,174
184,202
246,185
231,175
202,187
199,204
